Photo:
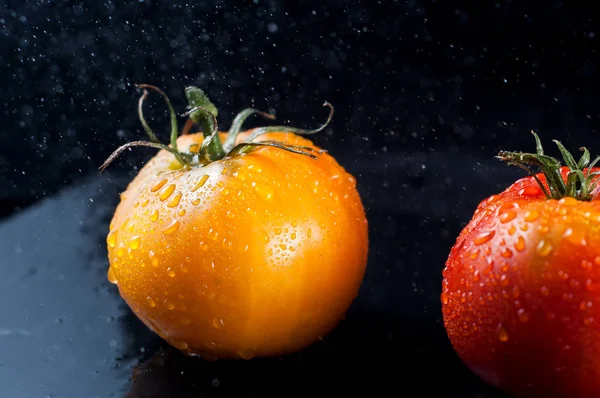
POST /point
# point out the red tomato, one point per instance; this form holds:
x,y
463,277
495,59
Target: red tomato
x,y
521,287
239,245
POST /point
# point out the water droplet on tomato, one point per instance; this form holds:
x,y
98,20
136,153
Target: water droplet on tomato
x,y
145,202
175,200
502,333
151,302
182,345
444,297
512,230
522,315
212,234
166,193
544,248
200,183
585,264
309,233
530,190
264,236
277,231
112,278
504,280
585,305
474,254
568,201
506,253
120,251
531,215
516,292
508,216
246,354
159,185
169,305
154,215
196,202
134,242
111,239
484,237
544,290
520,244
293,236
218,323
476,275
170,272
524,227
171,227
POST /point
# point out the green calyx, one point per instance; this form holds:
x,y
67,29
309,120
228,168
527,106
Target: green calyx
x,y
204,113
581,180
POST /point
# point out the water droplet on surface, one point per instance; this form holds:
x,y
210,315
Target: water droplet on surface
x,y
200,182
167,192
484,237
182,345
568,201
120,251
544,290
246,354
151,302
544,248
512,230
522,315
145,202
217,323
111,239
588,320
264,236
134,242
504,280
508,216
476,275
309,233
585,264
506,253
196,201
531,190
169,305
175,201
502,333
444,297
158,185
171,228
212,234
531,215
293,236
112,278
474,254
520,244
155,261
170,272
154,215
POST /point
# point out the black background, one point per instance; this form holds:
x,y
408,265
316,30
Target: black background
x,y
425,92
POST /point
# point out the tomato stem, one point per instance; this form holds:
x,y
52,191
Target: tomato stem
x,y
238,121
580,182
204,113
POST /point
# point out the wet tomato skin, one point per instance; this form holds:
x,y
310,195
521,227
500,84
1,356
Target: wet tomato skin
x,y
521,293
258,254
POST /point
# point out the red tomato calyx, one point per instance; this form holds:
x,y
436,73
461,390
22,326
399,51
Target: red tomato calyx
x,y
580,181
204,113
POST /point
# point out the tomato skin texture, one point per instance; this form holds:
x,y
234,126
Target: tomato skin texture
x,y
254,255
521,293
